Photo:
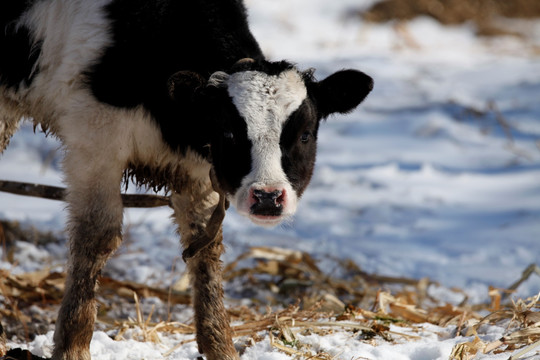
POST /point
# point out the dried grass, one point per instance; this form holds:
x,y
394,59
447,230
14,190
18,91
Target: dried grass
x,y
452,11
350,301
484,14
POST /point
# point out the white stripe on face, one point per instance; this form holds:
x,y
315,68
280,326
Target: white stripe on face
x,y
265,102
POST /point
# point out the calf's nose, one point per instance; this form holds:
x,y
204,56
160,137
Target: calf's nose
x,y
268,202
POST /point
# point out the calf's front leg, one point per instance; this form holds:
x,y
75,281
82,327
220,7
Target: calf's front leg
x,y
194,206
95,225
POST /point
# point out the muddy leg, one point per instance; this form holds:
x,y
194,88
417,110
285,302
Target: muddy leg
x,y
193,207
95,224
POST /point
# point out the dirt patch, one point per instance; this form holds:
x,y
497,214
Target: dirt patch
x,y
483,13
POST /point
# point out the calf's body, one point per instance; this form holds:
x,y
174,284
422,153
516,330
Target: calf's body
x,y
166,93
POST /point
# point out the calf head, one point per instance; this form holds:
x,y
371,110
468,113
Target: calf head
x,y
263,119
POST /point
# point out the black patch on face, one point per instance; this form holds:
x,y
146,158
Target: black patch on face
x,y
230,146
299,146
19,52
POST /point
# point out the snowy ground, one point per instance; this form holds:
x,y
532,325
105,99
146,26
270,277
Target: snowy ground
x,y
436,175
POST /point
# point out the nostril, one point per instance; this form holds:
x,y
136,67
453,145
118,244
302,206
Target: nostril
x,y
281,198
275,195
257,194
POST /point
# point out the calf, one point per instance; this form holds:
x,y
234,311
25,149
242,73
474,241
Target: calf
x,y
175,95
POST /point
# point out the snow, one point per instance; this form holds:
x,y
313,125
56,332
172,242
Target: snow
x,y
423,180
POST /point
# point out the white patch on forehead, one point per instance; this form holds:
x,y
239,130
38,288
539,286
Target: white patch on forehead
x,y
265,102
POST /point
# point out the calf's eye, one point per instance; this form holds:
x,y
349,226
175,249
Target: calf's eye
x,y
228,135
305,137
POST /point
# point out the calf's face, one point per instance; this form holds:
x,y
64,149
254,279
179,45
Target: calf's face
x,y
264,122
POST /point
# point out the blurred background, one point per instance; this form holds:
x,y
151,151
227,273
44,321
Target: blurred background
x,y
437,173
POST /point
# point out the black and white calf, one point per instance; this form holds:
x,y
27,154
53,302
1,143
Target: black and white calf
x,y
176,95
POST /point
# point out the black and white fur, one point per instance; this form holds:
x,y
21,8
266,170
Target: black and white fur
x,y
155,91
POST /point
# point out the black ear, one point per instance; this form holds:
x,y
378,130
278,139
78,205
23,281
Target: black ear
x,y
342,91
183,85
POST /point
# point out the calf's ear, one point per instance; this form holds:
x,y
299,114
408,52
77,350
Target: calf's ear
x,y
342,91
184,85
